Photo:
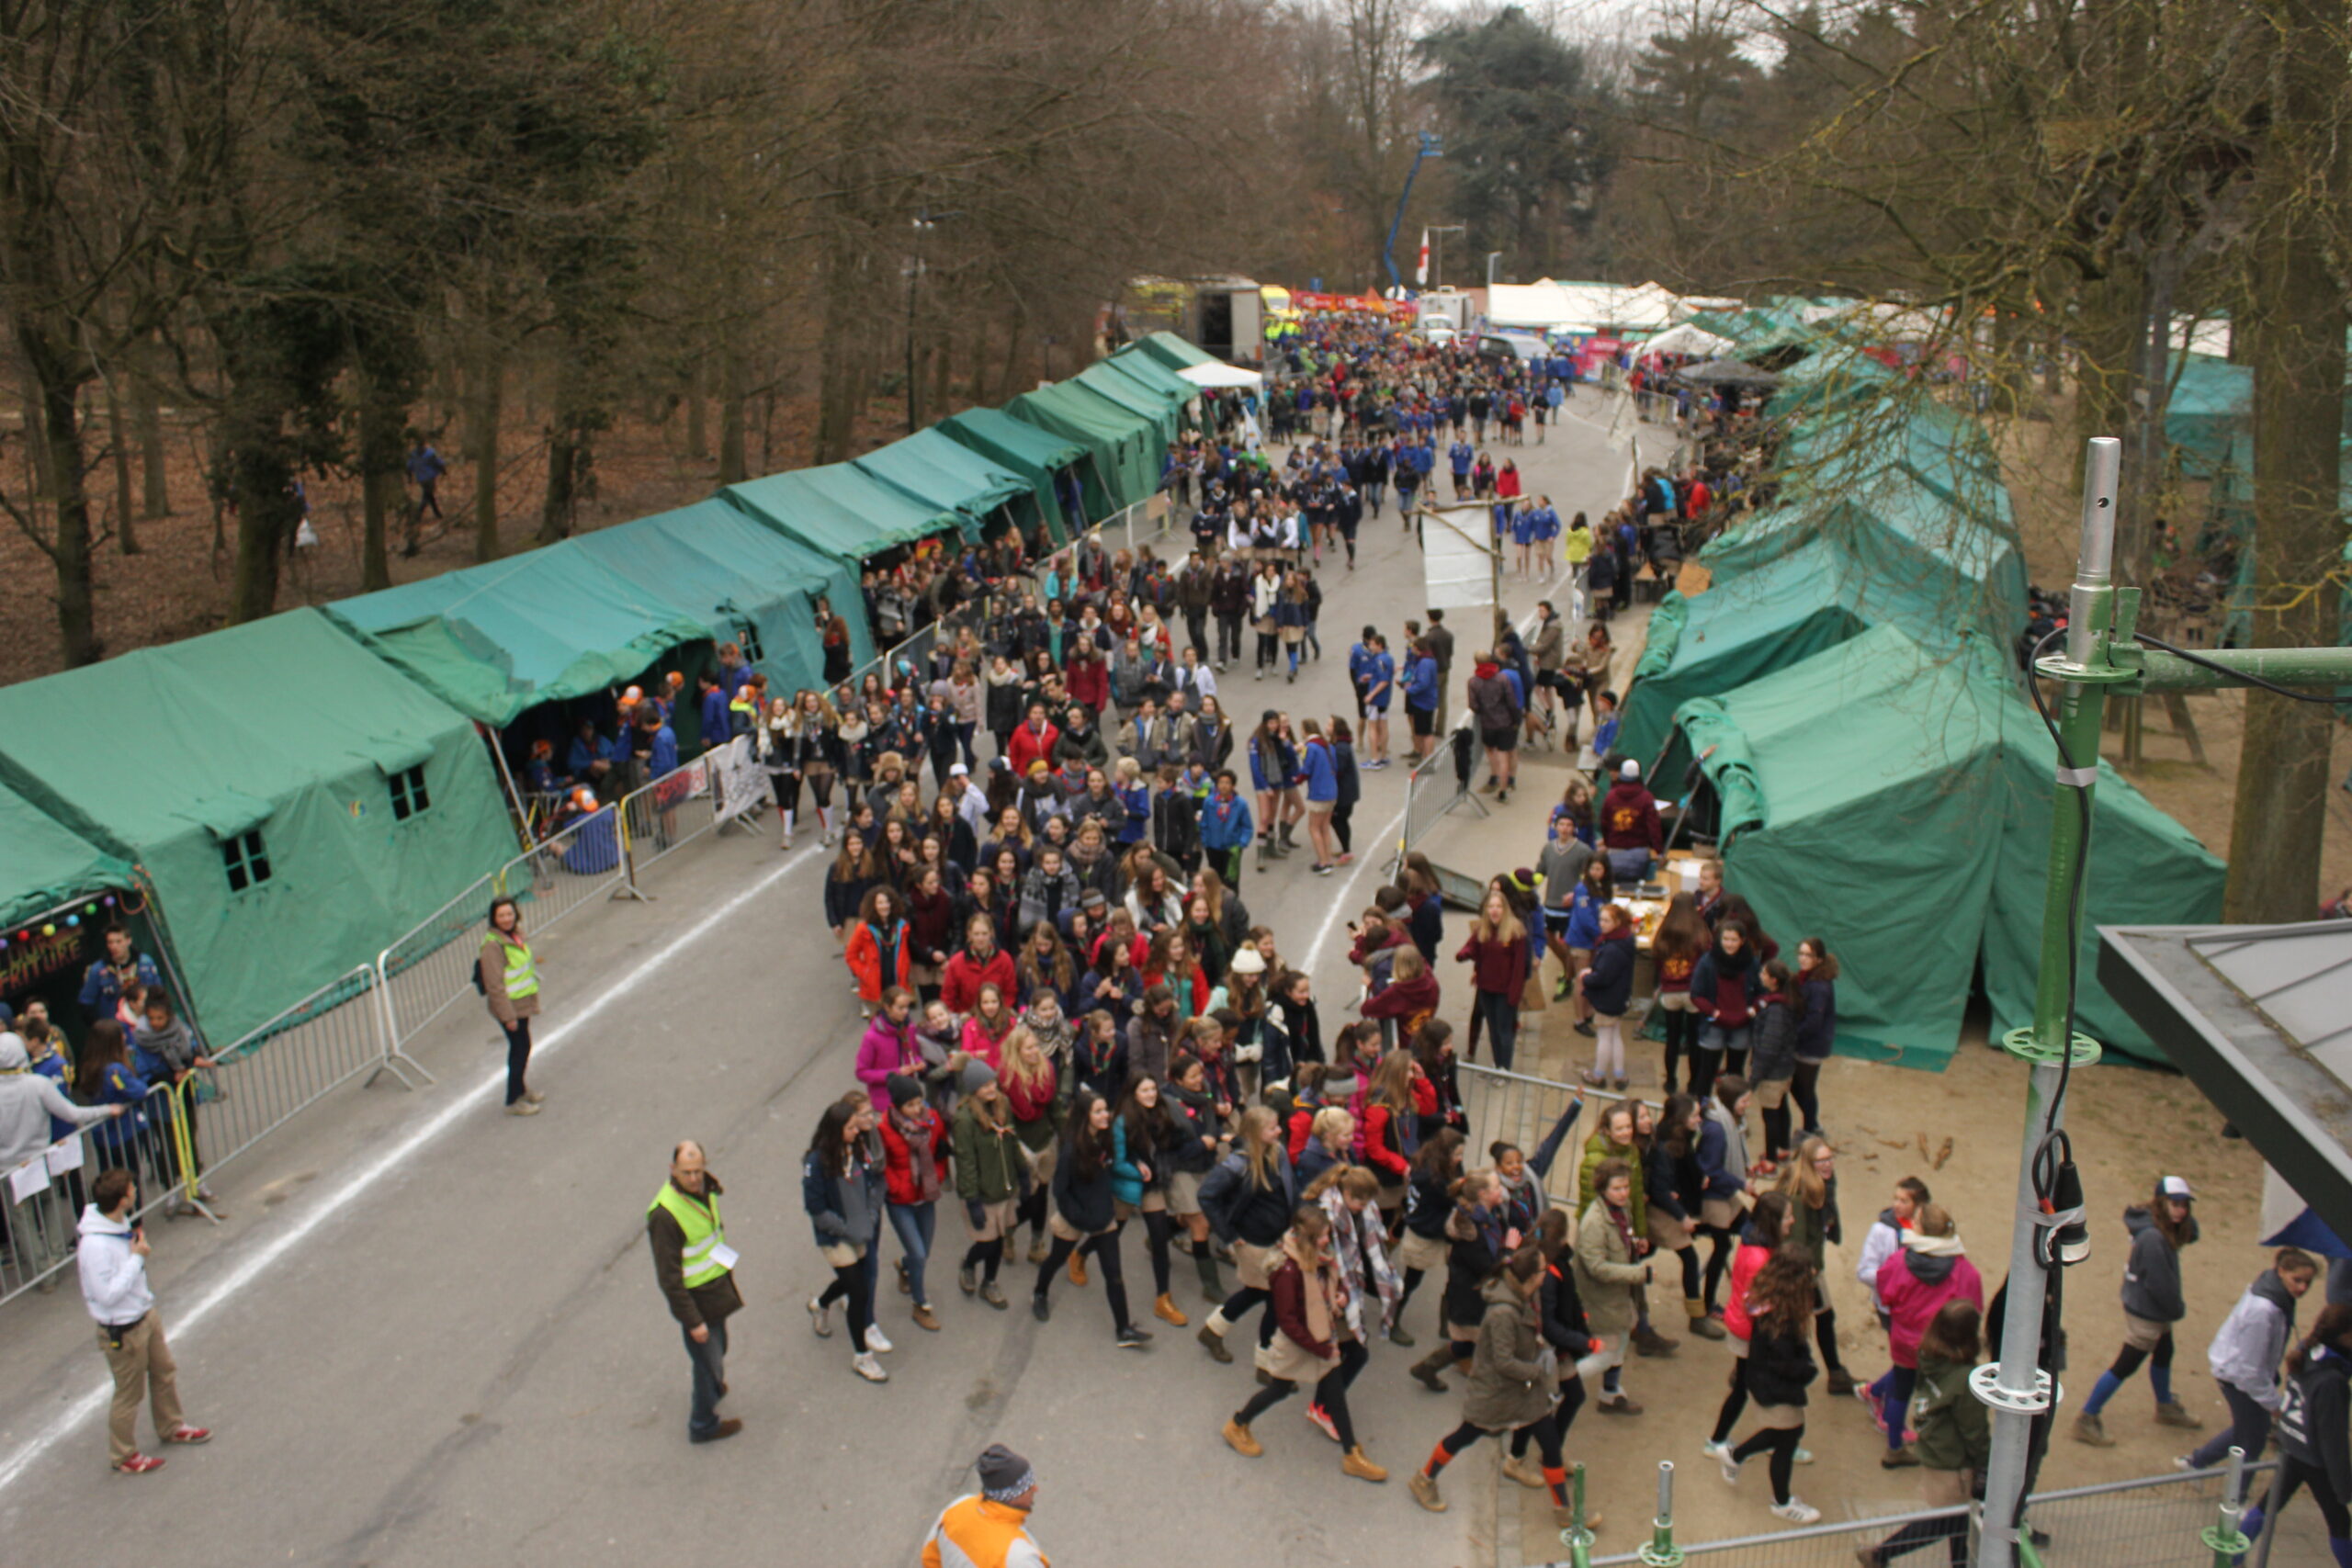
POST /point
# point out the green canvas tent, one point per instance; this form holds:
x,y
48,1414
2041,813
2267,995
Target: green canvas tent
x,y
1034,453
545,626
747,583
1158,408
298,804
1749,625
1122,444
48,864
1894,800
1174,352
1153,376
1899,528
2211,404
946,475
841,512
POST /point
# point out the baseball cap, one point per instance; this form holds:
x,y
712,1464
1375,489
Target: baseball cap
x,y
958,769
2175,1187
1629,769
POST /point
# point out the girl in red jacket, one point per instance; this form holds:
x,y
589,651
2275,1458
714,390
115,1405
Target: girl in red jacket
x,y
1496,953
980,962
1390,1127
914,1155
1766,1228
879,950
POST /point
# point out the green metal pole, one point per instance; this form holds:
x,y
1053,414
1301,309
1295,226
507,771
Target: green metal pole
x,y
1661,1551
1577,1538
2015,1386
2224,1538
2162,671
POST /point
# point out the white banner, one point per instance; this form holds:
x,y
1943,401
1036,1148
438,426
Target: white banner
x,y
1458,561
742,783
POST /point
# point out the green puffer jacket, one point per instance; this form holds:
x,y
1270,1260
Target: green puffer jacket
x,y
988,1163
1955,1429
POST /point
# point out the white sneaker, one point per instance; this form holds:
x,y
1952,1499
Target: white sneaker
x,y
1797,1511
875,1341
1803,1456
1730,1469
869,1369
1719,1452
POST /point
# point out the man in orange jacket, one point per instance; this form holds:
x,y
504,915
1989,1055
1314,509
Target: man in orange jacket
x,y
990,1528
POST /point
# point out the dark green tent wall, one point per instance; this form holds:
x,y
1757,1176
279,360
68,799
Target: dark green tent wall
x,y
1035,453
842,512
287,728
1123,467
1175,353
545,626
739,577
945,476
1896,801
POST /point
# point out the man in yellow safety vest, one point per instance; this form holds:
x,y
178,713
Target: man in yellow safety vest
x,y
695,1269
990,1529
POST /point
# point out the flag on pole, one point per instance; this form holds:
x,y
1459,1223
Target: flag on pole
x,y
1422,272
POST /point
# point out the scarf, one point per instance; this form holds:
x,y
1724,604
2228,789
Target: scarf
x,y
1361,1242
1323,1292
922,1154
1621,1219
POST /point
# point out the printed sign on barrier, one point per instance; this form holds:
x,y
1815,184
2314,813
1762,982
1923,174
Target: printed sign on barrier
x,y
742,783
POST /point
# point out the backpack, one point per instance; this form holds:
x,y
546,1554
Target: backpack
x,y
479,989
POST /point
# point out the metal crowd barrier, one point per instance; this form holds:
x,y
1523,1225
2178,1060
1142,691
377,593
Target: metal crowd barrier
x,y
1514,1107
1437,785
42,1205
2156,1521
668,814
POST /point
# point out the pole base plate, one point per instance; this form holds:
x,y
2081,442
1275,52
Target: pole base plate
x,y
2027,1046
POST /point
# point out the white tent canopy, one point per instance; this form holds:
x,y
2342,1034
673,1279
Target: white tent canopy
x,y
1688,339
1221,375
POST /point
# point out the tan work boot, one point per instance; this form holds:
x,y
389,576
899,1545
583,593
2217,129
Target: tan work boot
x,y
2089,1428
1237,1437
1164,1308
1354,1463
1518,1469
1424,1489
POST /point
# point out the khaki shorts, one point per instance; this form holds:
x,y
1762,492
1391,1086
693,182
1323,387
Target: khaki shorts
x,y
842,1254
1153,1204
2142,1335
1425,1252
1773,1093
996,1220
1250,1263
1720,1213
1183,1192
1779,1417
1064,1231
1674,1001
1666,1234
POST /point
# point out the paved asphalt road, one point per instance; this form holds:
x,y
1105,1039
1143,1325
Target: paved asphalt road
x,y
429,1334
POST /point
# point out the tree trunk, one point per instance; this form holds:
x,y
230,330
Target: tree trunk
x,y
118,440
2298,361
61,471
260,481
489,374
697,433
379,481
731,461
841,385
147,425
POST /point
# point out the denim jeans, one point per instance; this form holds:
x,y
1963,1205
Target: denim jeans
x,y
2249,1428
915,1223
710,1369
1501,1014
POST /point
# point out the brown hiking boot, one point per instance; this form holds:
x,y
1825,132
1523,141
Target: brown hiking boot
x,y
1237,1437
1078,1268
2089,1428
1650,1342
1164,1308
1424,1487
1353,1463
2172,1413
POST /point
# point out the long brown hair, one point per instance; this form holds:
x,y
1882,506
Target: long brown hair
x,y
1800,1181
2333,1328
1392,1083
1783,1288
1955,1334
1682,933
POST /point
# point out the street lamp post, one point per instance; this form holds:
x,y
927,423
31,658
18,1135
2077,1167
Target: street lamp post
x,y
2104,652
1437,249
924,223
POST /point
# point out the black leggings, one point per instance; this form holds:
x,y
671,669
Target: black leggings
x,y
1806,1092
1159,1229
850,1284
1341,816
1720,1247
518,1058
1105,1248
985,1256
1248,1299
1564,1414
785,787
1267,643
1776,1130
1824,1336
1735,1402
1031,1210
1689,1256
1927,1532
1330,1395
1546,1433
2128,1360
1682,1034
1782,1446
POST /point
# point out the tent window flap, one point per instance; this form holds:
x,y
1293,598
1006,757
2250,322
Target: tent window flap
x,y
245,859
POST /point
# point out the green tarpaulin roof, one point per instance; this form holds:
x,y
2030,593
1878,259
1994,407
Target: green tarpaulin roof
x,y
1749,625
545,626
288,728
841,512
945,474
1894,802
734,572
1033,452
1897,525
1124,444
1154,376
1174,352
47,862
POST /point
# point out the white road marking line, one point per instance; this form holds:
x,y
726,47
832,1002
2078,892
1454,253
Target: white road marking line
x,y
346,1192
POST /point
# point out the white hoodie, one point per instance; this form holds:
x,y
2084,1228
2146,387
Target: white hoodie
x,y
114,1278
27,1102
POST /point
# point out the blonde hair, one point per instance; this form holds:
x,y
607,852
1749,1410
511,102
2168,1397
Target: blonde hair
x,y
1019,1072
1331,1119
1800,1181
1256,1150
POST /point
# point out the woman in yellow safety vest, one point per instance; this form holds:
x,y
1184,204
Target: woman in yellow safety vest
x,y
508,976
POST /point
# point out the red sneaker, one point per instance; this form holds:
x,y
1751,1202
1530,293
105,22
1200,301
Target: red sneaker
x,y
138,1464
1314,1413
190,1435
